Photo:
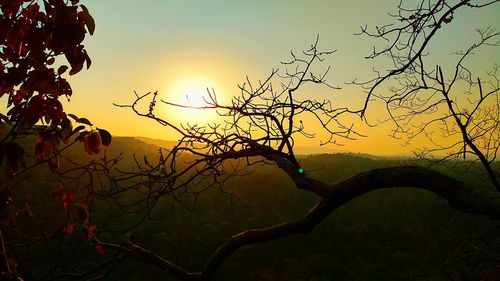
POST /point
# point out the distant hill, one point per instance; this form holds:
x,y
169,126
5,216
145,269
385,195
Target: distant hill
x,y
157,142
299,150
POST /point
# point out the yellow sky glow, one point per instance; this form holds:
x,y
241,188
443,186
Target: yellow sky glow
x,y
179,48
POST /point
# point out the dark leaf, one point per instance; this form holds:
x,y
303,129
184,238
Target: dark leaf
x,y
3,127
81,136
14,154
73,116
66,128
79,128
88,61
84,121
75,68
62,69
53,164
105,136
88,19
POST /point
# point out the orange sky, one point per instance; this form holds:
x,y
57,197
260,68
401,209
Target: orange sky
x,y
177,47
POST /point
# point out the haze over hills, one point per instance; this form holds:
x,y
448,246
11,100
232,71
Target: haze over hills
x,y
156,142
299,150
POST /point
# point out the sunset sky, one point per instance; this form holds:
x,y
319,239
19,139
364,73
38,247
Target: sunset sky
x,y
177,47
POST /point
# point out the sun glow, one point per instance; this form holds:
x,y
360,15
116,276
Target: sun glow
x,y
191,97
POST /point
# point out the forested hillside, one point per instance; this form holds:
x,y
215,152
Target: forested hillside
x,y
396,234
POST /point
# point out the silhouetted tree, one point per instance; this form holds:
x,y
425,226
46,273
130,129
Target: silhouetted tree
x,y
423,98
261,124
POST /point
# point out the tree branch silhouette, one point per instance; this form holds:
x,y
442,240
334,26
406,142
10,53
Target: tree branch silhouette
x,y
261,124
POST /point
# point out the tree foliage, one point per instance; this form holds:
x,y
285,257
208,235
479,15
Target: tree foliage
x,y
39,42
32,38
35,35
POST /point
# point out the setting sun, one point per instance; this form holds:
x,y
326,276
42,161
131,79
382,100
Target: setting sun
x,y
189,96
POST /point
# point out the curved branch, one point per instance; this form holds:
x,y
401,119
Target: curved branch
x,y
148,257
303,225
459,196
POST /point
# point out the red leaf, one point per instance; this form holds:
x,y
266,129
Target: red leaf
x,y
99,249
42,149
92,143
90,229
68,229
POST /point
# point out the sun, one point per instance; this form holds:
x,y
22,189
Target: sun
x,y
194,97
192,94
